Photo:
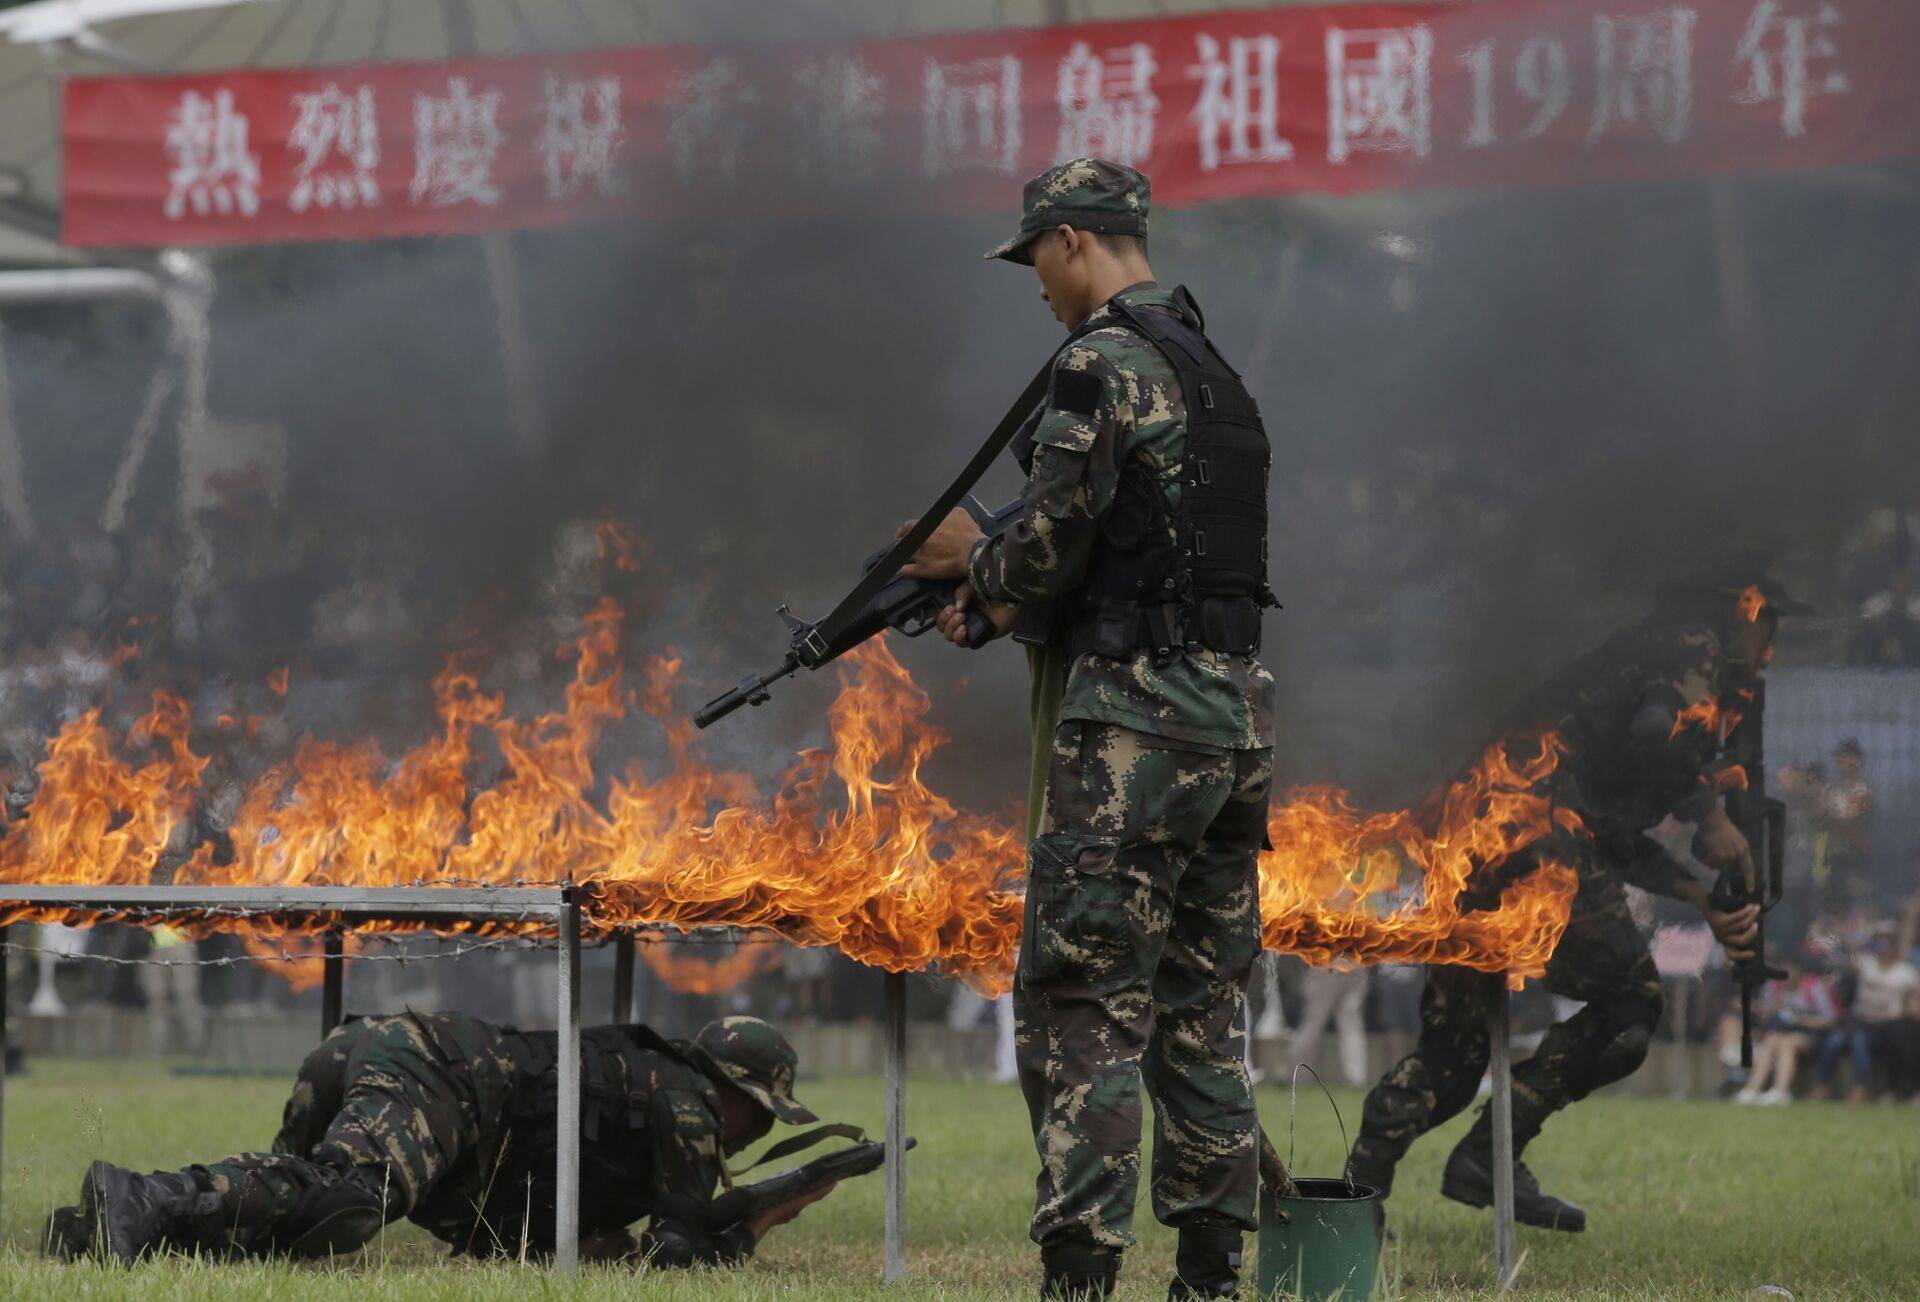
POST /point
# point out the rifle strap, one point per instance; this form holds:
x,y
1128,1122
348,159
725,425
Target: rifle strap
x,y
829,630
801,1142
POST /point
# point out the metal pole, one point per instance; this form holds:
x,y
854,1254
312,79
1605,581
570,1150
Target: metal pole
x,y
333,981
623,947
566,1211
1499,1032
894,1034
5,932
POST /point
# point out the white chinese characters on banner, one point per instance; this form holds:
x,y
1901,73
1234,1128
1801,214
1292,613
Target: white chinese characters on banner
x,y
581,135
972,116
1107,104
214,171
1379,91
1790,57
1239,102
1643,75
843,102
456,138
1541,74
337,137
709,128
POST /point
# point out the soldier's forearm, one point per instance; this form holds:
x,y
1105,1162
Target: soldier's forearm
x,y
1014,570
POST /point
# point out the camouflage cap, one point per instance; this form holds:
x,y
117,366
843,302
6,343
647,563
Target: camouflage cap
x,y
757,1058
1088,194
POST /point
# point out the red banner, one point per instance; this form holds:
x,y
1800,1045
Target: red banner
x,y
1332,99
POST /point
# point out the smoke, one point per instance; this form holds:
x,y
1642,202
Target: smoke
x,y
1498,418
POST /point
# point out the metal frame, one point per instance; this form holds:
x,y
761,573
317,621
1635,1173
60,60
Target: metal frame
x,y
557,906
1499,1035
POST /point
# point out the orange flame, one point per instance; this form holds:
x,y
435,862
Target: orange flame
x,y
689,973
849,848
1752,602
277,681
1323,889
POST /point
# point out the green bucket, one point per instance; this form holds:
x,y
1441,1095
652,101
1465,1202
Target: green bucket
x,y
1324,1244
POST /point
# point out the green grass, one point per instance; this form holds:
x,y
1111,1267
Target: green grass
x,y
1686,1200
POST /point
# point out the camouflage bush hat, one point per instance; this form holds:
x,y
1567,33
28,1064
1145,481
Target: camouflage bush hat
x,y
1088,194
757,1058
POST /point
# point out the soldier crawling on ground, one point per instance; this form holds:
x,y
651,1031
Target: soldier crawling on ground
x,y
450,1122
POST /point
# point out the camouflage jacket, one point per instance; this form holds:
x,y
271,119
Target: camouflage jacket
x,y
650,1147
1635,718
1203,697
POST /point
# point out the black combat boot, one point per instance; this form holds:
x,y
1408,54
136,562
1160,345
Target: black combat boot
x,y
1469,1179
124,1216
1078,1272
1364,1167
1206,1266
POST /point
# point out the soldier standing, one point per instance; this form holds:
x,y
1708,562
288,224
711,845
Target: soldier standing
x,y
1137,576
449,1121
1638,720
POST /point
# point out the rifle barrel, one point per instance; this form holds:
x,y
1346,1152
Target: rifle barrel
x,y
752,690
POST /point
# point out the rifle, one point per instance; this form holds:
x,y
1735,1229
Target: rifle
x,y
1762,819
745,1201
909,606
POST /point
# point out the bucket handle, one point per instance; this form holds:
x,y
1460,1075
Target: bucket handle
x,y
1293,1108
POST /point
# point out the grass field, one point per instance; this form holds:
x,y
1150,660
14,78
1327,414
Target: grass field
x,y
1686,1200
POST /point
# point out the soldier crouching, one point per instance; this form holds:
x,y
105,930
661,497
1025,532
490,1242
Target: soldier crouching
x,y
451,1122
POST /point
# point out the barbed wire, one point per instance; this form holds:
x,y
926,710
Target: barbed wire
x,y
659,934
495,944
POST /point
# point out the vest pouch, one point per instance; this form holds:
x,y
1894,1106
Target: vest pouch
x,y
1116,630
1033,625
1229,624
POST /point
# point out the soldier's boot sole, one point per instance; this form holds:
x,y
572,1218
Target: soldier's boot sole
x,y
64,1236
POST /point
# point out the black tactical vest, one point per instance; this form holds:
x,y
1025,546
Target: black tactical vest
x,y
1200,581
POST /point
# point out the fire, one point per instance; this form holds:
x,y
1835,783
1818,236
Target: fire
x,y
1752,602
848,847
1327,890
690,973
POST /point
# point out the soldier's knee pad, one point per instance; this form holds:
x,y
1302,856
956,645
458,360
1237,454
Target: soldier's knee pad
x,y
331,1220
1622,1055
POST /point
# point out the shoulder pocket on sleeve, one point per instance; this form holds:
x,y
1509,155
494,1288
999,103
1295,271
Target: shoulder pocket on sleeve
x,y
1066,430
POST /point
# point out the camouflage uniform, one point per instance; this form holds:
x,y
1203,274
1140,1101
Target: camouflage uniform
x,y
1633,759
1142,915
449,1121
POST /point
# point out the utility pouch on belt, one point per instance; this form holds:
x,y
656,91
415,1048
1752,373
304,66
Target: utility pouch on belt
x,y
1230,624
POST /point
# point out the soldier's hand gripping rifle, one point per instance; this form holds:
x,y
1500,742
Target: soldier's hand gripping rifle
x,y
743,1202
909,606
882,599
1763,821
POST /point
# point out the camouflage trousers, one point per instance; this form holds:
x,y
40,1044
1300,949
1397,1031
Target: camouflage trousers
x,y
406,1109
1142,926
1602,959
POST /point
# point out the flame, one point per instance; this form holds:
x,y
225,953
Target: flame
x,y
1752,602
690,973
1325,888
848,847
277,682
